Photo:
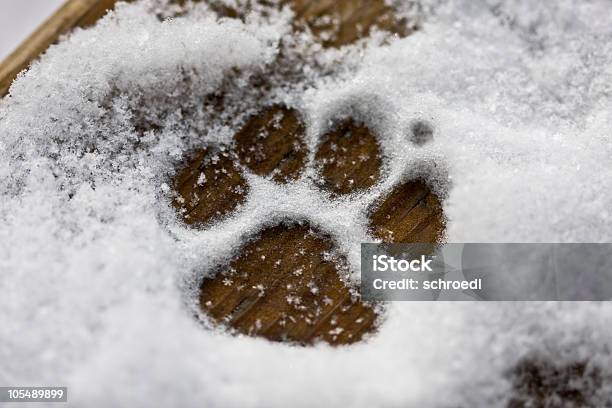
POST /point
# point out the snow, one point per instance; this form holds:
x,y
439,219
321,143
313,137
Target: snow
x,y
97,271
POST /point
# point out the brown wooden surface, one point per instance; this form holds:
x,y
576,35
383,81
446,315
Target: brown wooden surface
x,y
349,158
272,143
411,213
339,22
210,187
281,288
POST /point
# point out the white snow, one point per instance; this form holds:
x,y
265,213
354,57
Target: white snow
x,y
96,270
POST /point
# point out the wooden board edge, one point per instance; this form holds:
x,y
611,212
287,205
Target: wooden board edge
x,y
73,13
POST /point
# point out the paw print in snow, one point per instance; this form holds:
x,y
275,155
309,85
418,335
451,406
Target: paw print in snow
x,y
290,281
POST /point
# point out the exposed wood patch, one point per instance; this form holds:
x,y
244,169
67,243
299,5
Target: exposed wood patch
x,y
411,213
272,143
285,286
539,383
349,158
335,23
209,187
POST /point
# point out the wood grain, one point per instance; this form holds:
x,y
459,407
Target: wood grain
x,y
281,287
210,187
349,158
272,143
411,213
340,22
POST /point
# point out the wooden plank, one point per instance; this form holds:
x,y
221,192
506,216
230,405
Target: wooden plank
x,y
73,13
410,213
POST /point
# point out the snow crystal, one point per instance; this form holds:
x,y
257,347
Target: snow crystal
x,y
504,106
201,179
